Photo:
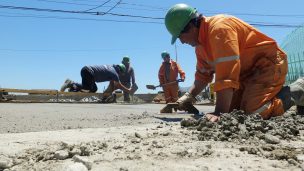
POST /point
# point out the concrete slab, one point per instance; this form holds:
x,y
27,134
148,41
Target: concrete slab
x,y
33,117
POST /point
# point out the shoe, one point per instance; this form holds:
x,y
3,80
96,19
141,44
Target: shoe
x,y
67,84
300,110
109,99
286,98
297,91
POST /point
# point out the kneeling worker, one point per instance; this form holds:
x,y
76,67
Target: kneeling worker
x,y
249,67
99,73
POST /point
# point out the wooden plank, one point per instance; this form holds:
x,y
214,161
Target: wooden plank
x,y
50,92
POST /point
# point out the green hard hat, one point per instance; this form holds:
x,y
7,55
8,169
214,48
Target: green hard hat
x,y
165,54
177,18
126,59
122,67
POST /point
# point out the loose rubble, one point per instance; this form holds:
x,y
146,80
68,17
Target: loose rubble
x,y
255,135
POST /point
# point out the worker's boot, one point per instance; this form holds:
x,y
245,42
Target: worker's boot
x,y
285,96
293,94
297,94
109,99
67,84
297,91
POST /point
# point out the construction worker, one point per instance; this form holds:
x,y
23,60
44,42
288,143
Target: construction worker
x,y
127,77
99,73
249,67
168,73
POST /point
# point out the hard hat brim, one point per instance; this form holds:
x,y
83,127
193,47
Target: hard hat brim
x,y
173,40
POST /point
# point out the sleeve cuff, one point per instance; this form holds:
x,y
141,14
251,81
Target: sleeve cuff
x,y
224,84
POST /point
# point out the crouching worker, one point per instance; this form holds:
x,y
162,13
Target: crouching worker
x,y
100,73
249,67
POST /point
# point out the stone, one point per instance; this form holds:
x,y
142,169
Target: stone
x,y
83,160
61,155
271,139
5,162
75,167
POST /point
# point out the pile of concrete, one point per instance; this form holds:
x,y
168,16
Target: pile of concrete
x,y
62,151
258,136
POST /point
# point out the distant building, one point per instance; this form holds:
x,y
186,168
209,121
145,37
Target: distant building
x,y
293,45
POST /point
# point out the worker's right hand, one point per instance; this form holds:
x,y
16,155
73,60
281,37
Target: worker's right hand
x,y
186,98
212,117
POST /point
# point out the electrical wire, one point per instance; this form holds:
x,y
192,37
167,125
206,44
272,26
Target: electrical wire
x,y
17,15
77,12
112,7
127,15
98,6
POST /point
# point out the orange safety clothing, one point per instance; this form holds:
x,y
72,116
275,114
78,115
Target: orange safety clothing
x,y
244,59
171,90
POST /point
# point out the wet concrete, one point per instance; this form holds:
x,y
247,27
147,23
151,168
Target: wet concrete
x,y
33,117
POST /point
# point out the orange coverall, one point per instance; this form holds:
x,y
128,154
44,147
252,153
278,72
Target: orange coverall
x,y
170,90
244,59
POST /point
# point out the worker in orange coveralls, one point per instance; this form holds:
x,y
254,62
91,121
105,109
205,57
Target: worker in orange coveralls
x,y
249,67
168,73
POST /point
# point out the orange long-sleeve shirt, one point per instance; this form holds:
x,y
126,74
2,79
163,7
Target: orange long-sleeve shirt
x,y
230,48
174,70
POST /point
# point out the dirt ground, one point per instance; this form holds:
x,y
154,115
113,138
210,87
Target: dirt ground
x,y
76,137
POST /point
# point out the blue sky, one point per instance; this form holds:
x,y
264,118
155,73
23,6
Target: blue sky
x,y
39,50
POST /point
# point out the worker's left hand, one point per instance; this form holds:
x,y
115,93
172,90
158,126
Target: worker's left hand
x,y
212,117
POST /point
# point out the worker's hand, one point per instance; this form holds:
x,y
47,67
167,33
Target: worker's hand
x,y
186,98
182,79
212,117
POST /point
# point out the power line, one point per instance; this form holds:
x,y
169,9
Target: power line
x,y
103,5
98,6
149,6
77,12
112,7
124,15
20,15
165,9
17,15
70,3
45,10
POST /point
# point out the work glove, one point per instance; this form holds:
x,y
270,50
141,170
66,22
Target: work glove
x,y
186,98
